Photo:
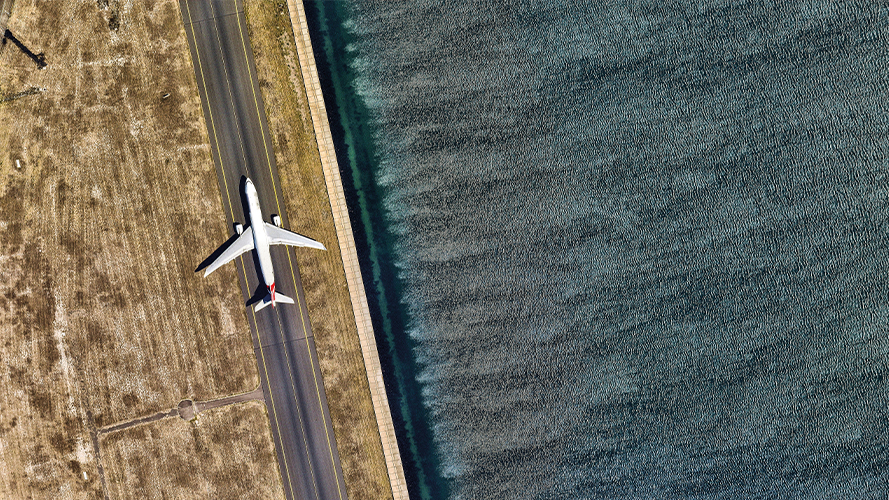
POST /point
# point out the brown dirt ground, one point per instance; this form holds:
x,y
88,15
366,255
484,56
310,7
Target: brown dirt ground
x,y
322,274
115,204
224,454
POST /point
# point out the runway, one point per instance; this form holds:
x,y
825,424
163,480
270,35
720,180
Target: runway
x,y
282,336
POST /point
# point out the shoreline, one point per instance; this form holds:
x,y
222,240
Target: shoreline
x,y
349,255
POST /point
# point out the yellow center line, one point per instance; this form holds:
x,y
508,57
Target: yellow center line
x,y
298,410
209,109
231,97
280,326
256,102
243,269
292,273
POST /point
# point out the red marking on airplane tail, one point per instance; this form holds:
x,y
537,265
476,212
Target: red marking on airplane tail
x,y
272,293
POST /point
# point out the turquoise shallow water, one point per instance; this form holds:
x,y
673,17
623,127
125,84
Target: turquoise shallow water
x,y
623,251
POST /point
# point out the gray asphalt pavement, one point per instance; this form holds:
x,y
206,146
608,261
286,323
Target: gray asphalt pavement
x,y
282,336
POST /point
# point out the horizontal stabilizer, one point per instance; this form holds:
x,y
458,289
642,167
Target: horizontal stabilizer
x,y
261,305
244,243
279,298
281,236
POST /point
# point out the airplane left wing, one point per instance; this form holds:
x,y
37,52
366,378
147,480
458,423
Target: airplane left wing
x,y
280,236
244,243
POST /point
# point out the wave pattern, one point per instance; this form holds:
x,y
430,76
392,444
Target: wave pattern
x,y
643,248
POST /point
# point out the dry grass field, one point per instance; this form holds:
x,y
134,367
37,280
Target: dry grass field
x,y
323,278
108,201
209,458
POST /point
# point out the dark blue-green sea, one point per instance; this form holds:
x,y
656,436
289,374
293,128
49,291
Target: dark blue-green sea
x,y
622,250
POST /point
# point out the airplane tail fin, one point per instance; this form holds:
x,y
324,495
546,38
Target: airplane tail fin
x,y
280,298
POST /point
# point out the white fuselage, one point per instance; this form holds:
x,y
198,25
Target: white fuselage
x,y
260,237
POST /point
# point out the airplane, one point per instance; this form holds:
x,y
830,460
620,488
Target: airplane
x,y
258,236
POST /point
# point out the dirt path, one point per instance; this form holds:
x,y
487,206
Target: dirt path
x,y
94,439
197,407
187,410
143,420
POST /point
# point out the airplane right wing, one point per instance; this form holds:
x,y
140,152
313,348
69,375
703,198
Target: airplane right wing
x,y
281,236
244,243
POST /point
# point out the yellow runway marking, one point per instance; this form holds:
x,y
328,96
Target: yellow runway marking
x,y
298,410
209,109
280,326
292,273
243,269
231,97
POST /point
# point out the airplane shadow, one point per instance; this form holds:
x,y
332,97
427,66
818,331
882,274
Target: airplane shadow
x,y
242,191
258,295
209,260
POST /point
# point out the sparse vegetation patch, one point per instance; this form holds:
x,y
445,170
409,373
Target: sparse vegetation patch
x,y
108,201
